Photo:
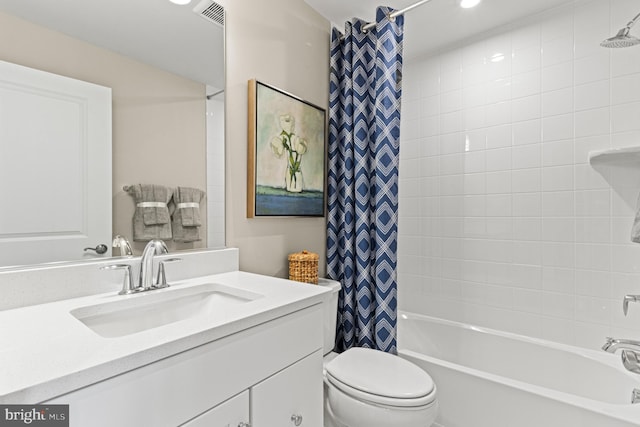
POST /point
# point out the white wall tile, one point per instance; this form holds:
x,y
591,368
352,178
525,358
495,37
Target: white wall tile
x,y
429,106
625,89
557,153
624,117
498,159
592,68
558,305
559,24
504,222
527,132
593,256
527,229
474,96
527,108
593,283
558,178
557,127
527,204
557,102
498,182
526,37
498,114
526,59
558,279
498,90
525,84
499,136
557,50
474,118
558,204
475,140
592,95
624,61
525,180
557,76
593,203
592,122
526,156
558,229
451,101
591,26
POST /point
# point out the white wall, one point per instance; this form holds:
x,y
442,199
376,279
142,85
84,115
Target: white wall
x,y
284,43
503,222
215,170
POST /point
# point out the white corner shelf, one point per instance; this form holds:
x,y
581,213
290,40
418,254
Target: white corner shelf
x,y
624,156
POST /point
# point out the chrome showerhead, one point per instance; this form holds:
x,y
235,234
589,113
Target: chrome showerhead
x,y
622,39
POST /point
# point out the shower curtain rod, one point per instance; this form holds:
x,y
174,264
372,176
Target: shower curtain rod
x,y
392,15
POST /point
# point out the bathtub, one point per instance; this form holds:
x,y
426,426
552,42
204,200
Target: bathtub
x,y
488,378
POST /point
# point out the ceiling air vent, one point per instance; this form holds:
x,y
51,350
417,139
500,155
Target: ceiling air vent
x,y
211,11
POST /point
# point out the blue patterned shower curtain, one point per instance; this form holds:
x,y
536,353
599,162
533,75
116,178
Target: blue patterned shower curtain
x,y
364,132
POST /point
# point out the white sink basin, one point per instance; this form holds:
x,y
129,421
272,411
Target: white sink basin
x,y
158,308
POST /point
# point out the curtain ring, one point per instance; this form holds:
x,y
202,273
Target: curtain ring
x,y
391,18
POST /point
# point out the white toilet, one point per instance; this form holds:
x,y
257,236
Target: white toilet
x,y
370,388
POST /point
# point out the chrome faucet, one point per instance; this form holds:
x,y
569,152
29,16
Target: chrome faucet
x,y
153,248
614,344
123,244
631,361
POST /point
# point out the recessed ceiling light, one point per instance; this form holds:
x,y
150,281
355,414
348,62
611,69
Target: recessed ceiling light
x,y
467,4
180,2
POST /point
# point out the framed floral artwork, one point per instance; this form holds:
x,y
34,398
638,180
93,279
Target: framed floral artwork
x,y
286,161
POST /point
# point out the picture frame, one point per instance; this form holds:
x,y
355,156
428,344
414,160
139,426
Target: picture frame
x,y
286,170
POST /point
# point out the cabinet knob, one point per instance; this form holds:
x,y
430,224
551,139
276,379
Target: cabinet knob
x,y
296,419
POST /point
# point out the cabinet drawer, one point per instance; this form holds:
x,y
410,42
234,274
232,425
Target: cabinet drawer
x,y
292,397
232,413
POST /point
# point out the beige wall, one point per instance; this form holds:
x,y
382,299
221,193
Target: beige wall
x,y
158,118
284,43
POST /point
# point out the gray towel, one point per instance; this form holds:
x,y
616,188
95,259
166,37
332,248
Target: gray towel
x,y
151,219
186,220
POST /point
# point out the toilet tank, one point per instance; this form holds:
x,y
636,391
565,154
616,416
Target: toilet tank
x,y
330,313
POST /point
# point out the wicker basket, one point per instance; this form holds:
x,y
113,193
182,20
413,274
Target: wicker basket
x,y
303,267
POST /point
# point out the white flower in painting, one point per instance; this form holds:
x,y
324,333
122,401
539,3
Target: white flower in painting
x,y
287,123
277,146
298,144
292,147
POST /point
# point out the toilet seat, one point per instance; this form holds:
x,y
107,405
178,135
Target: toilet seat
x,y
380,378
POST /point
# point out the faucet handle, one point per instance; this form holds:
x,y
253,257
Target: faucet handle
x,y
127,283
161,281
627,299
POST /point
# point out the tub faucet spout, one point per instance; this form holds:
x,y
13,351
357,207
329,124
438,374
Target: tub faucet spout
x,y
613,344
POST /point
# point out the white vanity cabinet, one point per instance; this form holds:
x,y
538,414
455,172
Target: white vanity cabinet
x,y
291,397
269,375
232,413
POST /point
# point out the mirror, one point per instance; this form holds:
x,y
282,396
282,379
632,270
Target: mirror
x,y
165,65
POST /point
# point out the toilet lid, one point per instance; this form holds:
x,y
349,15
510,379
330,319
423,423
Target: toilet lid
x,y
380,374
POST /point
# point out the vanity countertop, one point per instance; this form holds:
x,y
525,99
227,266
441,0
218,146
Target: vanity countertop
x,y
46,352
